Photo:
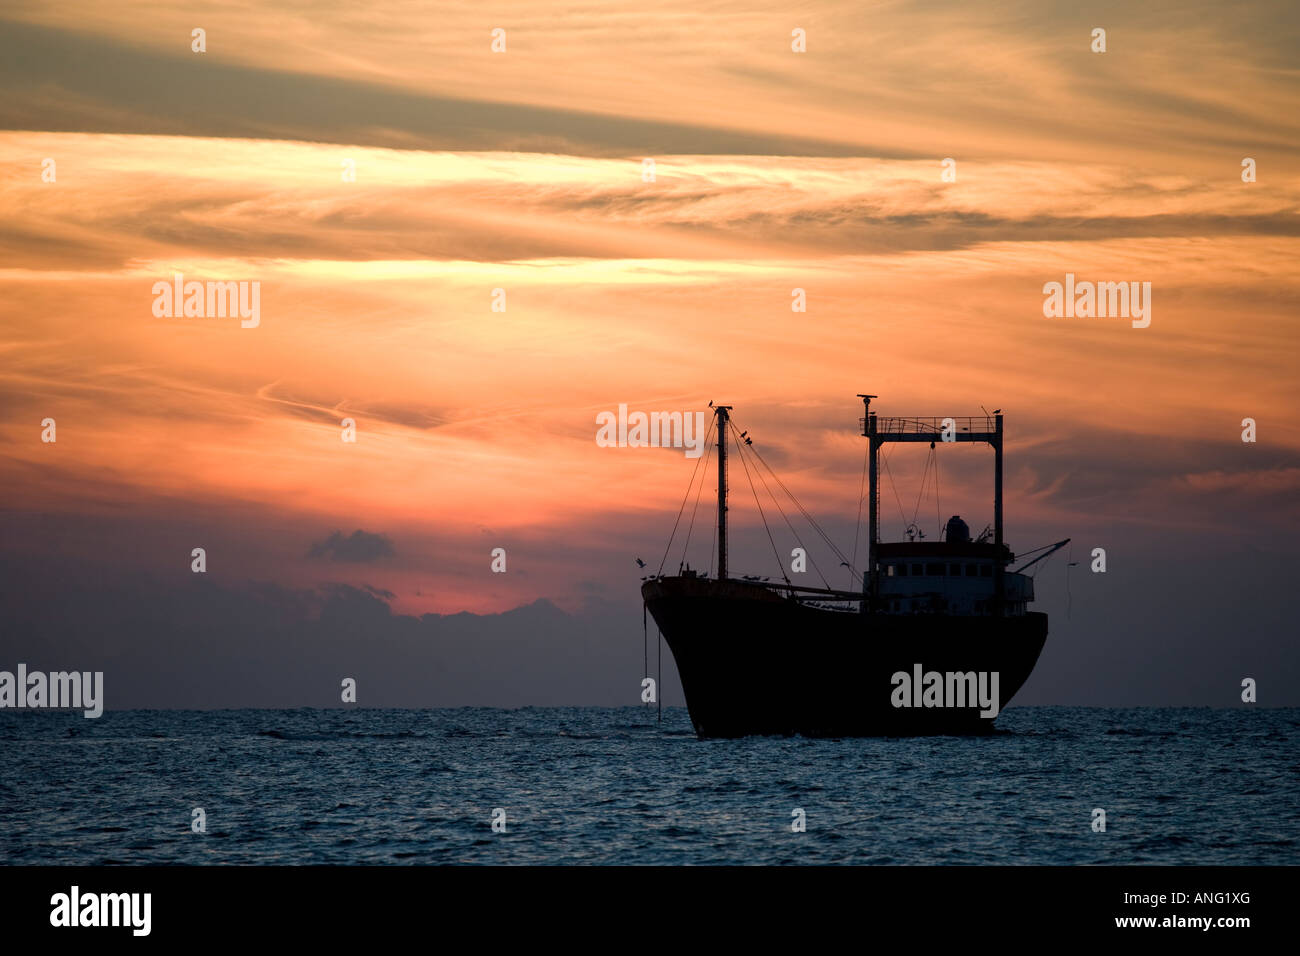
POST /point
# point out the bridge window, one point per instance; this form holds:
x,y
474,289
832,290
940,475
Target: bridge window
x,y
954,570
916,570
934,569
986,570
902,570
972,570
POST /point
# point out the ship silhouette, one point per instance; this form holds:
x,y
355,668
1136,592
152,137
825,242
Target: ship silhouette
x,y
764,657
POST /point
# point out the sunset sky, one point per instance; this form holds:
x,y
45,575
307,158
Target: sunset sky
x,y
522,171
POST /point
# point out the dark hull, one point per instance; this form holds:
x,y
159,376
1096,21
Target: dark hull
x,y
755,663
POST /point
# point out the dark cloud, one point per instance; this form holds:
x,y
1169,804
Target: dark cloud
x,y
1151,631
61,81
360,547
204,645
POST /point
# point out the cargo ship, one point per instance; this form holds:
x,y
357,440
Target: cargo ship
x,y
937,639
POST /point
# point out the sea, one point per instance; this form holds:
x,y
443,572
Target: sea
x,y
630,786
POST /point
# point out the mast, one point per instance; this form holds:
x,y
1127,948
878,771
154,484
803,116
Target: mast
x,y
870,584
997,480
723,419
999,582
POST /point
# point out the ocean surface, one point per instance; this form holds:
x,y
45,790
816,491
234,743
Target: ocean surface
x,y
612,786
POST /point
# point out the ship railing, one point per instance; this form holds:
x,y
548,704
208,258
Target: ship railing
x,y
929,426
832,594
794,590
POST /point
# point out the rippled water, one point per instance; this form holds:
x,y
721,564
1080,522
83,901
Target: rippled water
x,y
591,785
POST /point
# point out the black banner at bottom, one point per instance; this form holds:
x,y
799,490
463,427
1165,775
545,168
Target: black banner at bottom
x,y
644,906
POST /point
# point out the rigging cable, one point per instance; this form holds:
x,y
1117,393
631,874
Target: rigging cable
x,y
659,683
786,518
1069,599
884,459
925,480
740,446
862,496
695,510
681,510
938,515
804,511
